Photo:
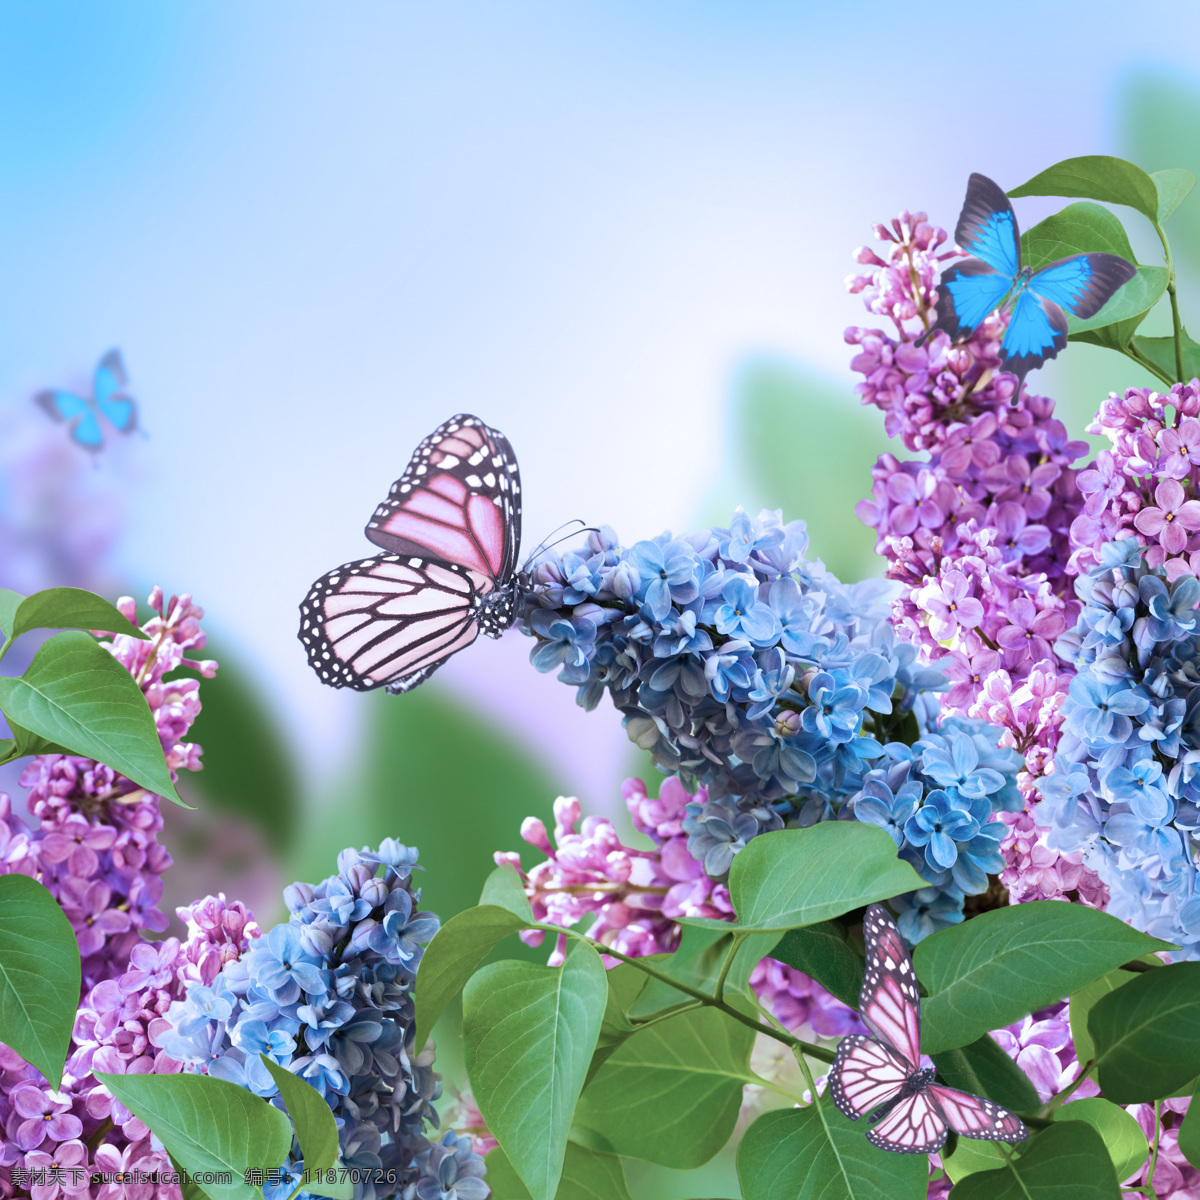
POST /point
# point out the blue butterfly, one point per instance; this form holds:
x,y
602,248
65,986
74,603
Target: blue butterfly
x,y
107,399
1037,328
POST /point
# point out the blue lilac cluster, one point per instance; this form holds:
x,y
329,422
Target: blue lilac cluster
x,y
328,994
749,669
1126,783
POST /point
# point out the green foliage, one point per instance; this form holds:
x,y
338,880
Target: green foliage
x,y
995,968
39,975
1066,1160
1144,1033
418,755
797,877
312,1118
1082,1000
984,1068
249,768
586,1176
1161,352
452,957
780,411
1121,1134
822,952
814,1153
1189,1131
1099,177
528,1037
76,695
62,608
207,1125
670,1093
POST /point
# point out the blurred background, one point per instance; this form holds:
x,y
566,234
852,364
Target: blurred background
x,y
617,231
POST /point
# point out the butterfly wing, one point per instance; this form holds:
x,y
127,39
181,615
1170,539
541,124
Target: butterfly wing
x,y
967,293
889,1003
914,1126
987,227
1084,283
388,621
975,1117
107,389
1037,330
77,413
865,1075
459,500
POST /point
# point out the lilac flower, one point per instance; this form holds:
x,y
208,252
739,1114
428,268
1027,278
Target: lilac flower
x,y
743,615
937,826
1171,519
46,1114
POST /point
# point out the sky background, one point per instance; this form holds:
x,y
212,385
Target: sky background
x,y
316,231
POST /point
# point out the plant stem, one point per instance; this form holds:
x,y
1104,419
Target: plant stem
x,y
1055,1102
735,946
1154,1152
1175,322
704,997
1139,358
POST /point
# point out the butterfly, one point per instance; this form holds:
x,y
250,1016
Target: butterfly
x,y
451,530
83,413
1037,328
883,1076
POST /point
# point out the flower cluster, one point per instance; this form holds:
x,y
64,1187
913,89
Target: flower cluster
x,y
1124,790
1146,485
979,532
328,994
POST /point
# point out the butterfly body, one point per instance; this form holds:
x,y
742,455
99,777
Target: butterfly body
x,y
108,400
881,1077
450,530
994,278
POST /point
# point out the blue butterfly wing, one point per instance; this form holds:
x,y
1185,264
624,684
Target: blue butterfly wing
x,y
987,227
110,376
66,406
1037,330
966,294
121,412
1084,283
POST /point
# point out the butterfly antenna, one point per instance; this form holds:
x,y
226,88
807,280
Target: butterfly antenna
x,y
549,545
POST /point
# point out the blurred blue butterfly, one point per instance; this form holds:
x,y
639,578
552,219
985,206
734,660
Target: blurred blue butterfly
x,y
108,398
1037,328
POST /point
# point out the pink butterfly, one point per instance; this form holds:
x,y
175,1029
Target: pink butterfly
x,y
883,1076
451,526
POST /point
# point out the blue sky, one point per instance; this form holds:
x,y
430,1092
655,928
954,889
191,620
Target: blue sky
x,y
318,230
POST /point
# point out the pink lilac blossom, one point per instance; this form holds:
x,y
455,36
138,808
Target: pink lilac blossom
x,y
636,895
1146,485
979,534
95,847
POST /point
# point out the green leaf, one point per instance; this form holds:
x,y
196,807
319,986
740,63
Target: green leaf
x,y
999,966
10,601
312,1118
1125,311
1173,186
249,764
1065,1162
1145,1034
670,1093
1121,1134
189,1190
207,1124
1081,228
1189,1131
625,984
1096,177
697,962
76,694
795,877
1081,1005
1161,352
452,957
586,1176
983,1068
822,952
27,743
528,1037
39,975
971,1156
815,1153
503,887
70,608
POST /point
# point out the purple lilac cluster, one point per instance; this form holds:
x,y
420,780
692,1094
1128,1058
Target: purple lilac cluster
x,y
96,842
1146,486
783,693
1125,790
979,532
328,995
